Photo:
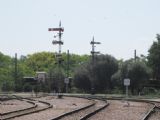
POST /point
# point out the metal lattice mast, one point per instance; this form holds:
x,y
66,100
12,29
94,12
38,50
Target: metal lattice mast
x,y
60,31
58,42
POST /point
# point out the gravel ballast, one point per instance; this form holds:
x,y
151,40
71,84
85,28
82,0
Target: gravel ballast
x,y
60,106
13,105
119,110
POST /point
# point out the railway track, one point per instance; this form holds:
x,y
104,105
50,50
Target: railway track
x,y
85,112
94,108
155,107
156,115
154,112
101,104
37,107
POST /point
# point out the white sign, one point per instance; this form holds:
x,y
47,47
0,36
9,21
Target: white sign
x,y
66,80
41,76
127,82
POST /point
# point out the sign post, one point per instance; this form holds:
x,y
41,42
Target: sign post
x,y
66,81
127,83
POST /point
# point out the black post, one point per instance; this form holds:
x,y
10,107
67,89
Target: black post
x,y
67,79
68,63
15,72
93,52
135,56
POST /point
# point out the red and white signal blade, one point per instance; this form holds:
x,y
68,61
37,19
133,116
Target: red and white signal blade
x,y
56,29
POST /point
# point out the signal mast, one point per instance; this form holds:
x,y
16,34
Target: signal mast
x,y
93,53
58,42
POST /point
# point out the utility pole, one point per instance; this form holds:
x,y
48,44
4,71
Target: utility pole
x,y
58,42
135,55
15,72
67,78
68,59
93,53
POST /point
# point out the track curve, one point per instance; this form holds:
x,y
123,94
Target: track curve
x,y
37,107
85,112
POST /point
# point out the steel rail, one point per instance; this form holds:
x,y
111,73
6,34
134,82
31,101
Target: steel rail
x,y
150,111
83,108
25,111
145,117
90,97
94,112
72,112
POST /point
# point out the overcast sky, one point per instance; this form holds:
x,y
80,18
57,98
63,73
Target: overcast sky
x,y
120,25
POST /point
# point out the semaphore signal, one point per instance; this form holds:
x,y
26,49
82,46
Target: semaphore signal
x,y
58,42
93,53
60,31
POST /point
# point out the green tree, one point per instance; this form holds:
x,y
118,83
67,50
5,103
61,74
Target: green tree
x,y
81,78
97,75
56,81
154,58
138,73
6,78
40,61
105,67
75,61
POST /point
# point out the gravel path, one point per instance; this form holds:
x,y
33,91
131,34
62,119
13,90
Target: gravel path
x,y
118,110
